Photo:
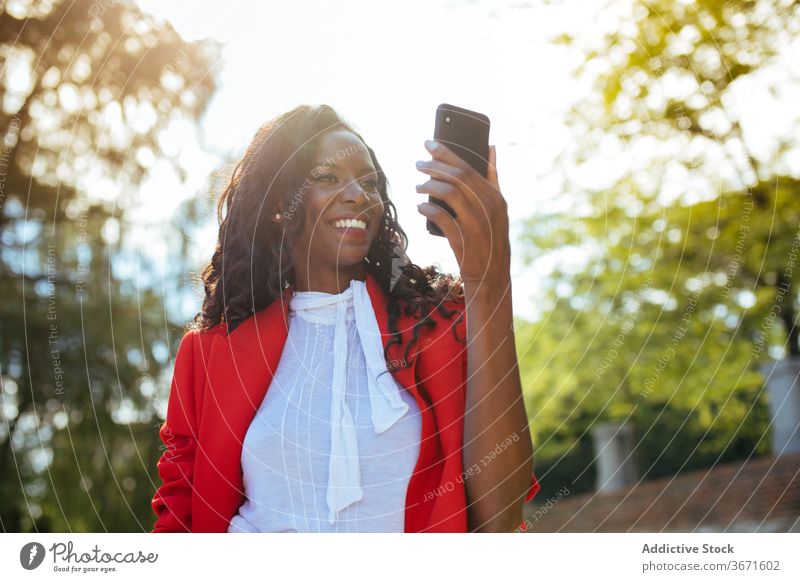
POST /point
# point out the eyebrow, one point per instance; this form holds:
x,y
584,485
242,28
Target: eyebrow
x,y
365,169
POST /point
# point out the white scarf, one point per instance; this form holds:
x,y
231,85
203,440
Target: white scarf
x,y
344,476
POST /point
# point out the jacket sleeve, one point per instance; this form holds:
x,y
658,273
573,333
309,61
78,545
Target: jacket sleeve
x,y
172,502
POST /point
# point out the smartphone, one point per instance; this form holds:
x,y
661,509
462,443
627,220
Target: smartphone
x,y
467,134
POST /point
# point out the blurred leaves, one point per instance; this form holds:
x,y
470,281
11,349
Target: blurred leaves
x,y
663,278
87,90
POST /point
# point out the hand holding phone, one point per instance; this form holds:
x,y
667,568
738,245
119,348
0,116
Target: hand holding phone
x,y
466,133
463,174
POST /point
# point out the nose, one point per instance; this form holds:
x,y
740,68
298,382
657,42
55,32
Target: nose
x,y
353,192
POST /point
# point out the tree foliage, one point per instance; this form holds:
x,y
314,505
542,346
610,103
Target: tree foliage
x,y
87,90
678,275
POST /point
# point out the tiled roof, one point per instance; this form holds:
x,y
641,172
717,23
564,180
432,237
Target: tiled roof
x,y
758,495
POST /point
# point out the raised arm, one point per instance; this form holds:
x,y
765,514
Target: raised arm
x,y
495,412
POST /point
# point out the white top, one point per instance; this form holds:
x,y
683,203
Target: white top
x,y
334,443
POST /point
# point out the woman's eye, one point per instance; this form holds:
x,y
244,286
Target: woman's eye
x,y
370,184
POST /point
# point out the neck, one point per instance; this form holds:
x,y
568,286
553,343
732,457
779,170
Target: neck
x,y
327,281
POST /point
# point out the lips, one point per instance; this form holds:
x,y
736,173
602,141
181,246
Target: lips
x,y
350,232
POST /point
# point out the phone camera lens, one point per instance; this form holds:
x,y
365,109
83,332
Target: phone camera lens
x,y
447,119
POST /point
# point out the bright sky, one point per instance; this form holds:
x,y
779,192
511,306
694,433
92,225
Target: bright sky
x,y
386,66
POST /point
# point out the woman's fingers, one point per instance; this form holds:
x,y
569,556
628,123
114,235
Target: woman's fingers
x,y
442,153
441,218
482,212
454,175
446,192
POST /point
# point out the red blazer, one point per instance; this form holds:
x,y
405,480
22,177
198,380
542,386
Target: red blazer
x,y
218,385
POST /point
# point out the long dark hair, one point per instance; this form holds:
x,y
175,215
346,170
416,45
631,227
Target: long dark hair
x,y
252,262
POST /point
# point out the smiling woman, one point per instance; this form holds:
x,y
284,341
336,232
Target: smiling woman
x,y
289,410
344,212
302,170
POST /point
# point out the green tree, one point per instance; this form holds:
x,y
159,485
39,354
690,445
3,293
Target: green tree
x,y
684,239
88,88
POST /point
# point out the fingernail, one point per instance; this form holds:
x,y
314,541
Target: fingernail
x,y
431,145
420,164
418,187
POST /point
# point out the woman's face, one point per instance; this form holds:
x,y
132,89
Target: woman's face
x,y
342,185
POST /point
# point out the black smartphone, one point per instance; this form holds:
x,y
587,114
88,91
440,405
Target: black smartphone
x,y
467,134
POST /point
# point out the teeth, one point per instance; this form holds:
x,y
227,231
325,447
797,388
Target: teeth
x,y
350,223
